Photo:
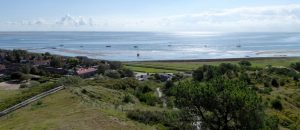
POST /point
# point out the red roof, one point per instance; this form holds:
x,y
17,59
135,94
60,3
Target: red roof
x,y
81,71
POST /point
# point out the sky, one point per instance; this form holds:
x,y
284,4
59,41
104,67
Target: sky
x,y
151,15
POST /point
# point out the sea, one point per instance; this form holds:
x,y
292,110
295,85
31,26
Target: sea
x,y
144,46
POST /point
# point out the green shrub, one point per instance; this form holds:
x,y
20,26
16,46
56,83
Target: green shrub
x,y
70,81
244,63
112,74
276,104
171,120
274,83
128,99
148,98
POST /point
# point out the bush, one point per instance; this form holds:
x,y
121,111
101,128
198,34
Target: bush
x,y
244,63
171,120
125,72
296,66
276,104
70,81
123,84
148,98
274,83
102,68
128,99
198,74
112,74
114,65
16,75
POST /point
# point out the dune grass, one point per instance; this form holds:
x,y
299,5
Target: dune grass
x,y
64,110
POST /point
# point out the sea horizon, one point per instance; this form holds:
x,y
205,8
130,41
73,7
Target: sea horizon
x,y
145,46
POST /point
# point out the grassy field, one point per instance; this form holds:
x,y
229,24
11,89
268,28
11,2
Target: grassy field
x,y
188,66
5,94
66,111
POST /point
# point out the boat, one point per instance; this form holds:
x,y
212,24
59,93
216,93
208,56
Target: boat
x,y
108,46
61,45
135,46
138,54
81,46
238,46
169,45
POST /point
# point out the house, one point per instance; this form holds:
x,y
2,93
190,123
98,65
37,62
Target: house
x,y
86,72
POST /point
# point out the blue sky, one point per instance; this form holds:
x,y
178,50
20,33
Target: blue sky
x,y
150,15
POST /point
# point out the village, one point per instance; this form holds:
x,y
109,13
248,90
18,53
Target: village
x,y
18,68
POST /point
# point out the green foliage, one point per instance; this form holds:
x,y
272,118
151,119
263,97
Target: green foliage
x,y
16,75
169,119
112,74
198,74
25,69
115,65
27,93
245,63
123,84
128,99
276,104
56,62
70,81
125,72
102,68
296,66
73,62
271,123
34,70
221,104
148,98
275,83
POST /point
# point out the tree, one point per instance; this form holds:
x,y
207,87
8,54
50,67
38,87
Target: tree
x,y
73,62
25,69
125,72
34,70
198,74
296,66
245,63
220,104
112,74
56,62
102,68
115,65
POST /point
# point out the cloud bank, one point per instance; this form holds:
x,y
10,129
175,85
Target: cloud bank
x,y
284,18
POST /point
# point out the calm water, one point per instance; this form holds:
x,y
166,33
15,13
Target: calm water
x,y
154,46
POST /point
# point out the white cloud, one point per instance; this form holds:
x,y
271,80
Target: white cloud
x,y
267,18
69,20
247,19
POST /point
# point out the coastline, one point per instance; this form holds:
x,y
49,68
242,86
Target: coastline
x,y
219,59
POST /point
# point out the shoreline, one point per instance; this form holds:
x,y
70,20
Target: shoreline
x,y
218,59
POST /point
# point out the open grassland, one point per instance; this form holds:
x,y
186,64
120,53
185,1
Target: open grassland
x,y
188,66
5,94
67,111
